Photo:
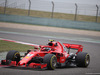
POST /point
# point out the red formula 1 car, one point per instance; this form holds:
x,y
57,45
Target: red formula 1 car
x,y
50,56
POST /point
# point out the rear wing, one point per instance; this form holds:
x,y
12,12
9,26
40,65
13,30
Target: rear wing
x,y
74,46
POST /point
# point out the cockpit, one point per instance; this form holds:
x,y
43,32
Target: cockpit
x,y
52,45
45,49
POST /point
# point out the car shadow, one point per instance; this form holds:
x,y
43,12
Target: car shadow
x,y
39,69
67,67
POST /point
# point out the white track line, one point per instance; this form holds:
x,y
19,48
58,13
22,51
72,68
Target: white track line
x,y
58,37
30,44
93,73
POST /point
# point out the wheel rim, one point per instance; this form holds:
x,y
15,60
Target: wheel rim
x,y
54,63
16,57
87,60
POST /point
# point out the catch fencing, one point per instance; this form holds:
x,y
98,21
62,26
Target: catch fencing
x,y
51,9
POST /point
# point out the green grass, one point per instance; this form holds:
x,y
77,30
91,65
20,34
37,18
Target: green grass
x,y
7,46
36,13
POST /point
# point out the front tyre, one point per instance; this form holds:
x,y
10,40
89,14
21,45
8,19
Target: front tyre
x,y
13,56
82,59
51,61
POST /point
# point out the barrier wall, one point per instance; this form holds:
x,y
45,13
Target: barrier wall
x,y
50,22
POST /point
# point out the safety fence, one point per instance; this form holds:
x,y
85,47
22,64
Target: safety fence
x,y
50,22
51,9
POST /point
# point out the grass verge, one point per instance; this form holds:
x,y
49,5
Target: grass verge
x,y
7,46
35,13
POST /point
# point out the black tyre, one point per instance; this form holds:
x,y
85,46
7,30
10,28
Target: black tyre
x,y
13,56
82,59
51,61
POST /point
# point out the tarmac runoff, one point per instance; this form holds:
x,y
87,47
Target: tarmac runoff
x,y
92,70
56,37
3,54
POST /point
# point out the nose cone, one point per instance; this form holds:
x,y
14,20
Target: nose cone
x,y
27,58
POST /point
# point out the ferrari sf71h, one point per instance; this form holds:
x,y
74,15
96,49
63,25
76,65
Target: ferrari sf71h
x,y
54,54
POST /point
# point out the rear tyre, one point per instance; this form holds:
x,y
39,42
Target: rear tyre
x,y
82,59
13,56
51,61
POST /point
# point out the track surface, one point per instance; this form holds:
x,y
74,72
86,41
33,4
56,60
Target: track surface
x,y
41,37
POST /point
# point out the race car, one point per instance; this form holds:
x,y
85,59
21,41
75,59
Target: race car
x,y
54,54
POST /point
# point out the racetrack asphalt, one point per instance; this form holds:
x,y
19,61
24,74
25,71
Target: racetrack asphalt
x,y
41,37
